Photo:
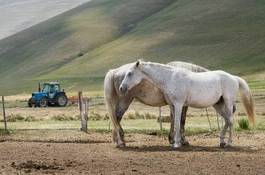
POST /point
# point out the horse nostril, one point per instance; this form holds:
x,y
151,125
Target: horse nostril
x,y
123,89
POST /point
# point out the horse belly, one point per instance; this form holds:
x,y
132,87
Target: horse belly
x,y
150,95
204,97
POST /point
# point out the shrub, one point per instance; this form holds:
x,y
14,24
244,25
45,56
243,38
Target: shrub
x,y
63,118
80,54
30,119
138,115
96,116
131,116
243,123
164,119
15,117
150,116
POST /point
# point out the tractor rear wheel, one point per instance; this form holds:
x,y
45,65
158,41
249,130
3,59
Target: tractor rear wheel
x,y
43,102
61,100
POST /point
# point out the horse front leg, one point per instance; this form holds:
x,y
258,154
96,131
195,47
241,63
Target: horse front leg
x,y
182,126
121,108
118,134
177,119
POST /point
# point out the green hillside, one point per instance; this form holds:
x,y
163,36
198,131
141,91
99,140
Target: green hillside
x,y
78,47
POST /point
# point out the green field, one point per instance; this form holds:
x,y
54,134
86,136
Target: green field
x,y
78,47
194,125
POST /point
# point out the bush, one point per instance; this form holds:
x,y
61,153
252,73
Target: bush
x,y
137,115
64,118
15,118
81,53
165,119
243,123
30,119
96,116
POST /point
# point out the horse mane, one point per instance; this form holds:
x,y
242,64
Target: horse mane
x,y
189,66
156,64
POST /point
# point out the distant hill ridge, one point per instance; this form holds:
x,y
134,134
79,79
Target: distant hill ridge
x,y
79,46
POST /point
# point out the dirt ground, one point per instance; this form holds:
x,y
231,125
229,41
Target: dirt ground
x,y
94,153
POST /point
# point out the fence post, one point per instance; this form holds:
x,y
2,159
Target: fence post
x,y
83,111
217,119
4,113
210,125
160,119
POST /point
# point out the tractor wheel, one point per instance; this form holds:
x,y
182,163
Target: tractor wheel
x,y
30,103
43,102
61,100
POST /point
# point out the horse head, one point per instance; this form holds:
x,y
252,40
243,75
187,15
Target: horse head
x,y
132,78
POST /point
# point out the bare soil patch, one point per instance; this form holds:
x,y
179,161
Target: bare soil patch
x,y
144,154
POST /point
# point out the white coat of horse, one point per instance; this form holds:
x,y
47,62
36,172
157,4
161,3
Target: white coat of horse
x,y
146,92
182,87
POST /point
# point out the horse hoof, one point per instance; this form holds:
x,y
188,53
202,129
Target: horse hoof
x,y
228,145
176,145
222,145
121,145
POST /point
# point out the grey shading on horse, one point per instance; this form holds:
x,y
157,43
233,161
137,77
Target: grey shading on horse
x,y
182,87
146,92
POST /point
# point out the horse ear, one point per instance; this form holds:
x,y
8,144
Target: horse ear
x,y
137,63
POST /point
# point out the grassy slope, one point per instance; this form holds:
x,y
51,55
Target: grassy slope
x,y
50,45
224,34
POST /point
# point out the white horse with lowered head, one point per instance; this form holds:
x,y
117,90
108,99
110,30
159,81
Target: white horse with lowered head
x,y
146,92
182,87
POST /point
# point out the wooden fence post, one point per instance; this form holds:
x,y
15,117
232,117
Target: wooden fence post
x,y
217,119
160,119
210,125
83,104
4,113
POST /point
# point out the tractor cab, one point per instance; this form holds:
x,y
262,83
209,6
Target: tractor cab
x,y
51,89
50,95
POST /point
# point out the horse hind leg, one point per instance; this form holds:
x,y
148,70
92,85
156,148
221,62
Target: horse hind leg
x,y
226,111
171,131
182,126
230,110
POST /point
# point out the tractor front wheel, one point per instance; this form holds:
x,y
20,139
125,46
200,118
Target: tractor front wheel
x,y
30,103
61,100
43,102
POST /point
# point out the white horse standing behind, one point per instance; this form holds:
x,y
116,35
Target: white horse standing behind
x,y
182,87
146,92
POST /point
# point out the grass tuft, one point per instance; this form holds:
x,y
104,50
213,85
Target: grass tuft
x,y
243,124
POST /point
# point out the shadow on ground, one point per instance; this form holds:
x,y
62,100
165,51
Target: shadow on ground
x,y
189,148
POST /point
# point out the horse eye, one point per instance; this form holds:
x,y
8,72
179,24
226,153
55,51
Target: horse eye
x,y
129,74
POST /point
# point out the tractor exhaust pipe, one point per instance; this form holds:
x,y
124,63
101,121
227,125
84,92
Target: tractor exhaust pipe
x,y
39,87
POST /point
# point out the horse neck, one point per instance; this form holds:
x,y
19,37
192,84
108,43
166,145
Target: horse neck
x,y
156,74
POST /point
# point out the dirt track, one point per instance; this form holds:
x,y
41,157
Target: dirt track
x,y
144,154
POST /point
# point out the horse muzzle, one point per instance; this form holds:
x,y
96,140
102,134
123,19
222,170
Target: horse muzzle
x,y
123,89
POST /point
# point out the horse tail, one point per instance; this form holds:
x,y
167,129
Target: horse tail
x,y
109,95
247,99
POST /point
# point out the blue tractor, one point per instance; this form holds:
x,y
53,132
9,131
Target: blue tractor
x,y
50,95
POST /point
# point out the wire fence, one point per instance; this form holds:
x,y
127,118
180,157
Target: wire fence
x,y
16,114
